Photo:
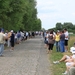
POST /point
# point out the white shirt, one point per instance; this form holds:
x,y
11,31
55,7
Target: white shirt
x,y
66,35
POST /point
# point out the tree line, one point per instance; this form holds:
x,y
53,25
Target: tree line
x,y
68,25
19,14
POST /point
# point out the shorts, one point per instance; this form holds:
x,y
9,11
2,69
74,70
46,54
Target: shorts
x,y
69,63
66,42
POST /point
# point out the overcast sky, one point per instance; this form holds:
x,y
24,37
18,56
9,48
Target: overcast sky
x,y
52,11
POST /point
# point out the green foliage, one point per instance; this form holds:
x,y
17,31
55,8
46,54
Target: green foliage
x,y
59,26
19,14
68,25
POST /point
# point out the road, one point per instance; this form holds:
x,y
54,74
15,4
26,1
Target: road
x,y
28,58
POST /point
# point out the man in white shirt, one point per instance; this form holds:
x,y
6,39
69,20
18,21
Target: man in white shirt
x,y
66,39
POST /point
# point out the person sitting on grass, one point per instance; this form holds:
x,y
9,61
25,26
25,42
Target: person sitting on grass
x,y
68,59
70,63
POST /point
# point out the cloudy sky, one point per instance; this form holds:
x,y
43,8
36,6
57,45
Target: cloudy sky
x,y
52,11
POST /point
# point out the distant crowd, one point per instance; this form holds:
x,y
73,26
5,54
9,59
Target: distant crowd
x,y
10,38
51,38
59,38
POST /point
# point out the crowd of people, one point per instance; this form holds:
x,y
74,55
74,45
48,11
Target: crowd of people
x,y
51,38
69,60
60,40
10,38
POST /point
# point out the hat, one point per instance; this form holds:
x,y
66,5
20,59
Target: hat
x,y
72,49
12,31
58,31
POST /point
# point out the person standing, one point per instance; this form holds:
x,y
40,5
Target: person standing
x,y
12,38
26,35
46,40
18,37
66,39
57,40
8,42
51,41
2,38
62,41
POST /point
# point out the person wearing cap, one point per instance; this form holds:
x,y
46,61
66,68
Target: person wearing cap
x,y
12,37
69,60
70,63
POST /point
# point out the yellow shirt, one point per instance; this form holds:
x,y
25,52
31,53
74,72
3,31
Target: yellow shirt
x,y
57,37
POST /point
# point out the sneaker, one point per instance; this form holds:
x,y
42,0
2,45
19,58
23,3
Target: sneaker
x,y
65,73
56,62
66,50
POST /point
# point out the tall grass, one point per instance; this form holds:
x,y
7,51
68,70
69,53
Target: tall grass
x,y
58,69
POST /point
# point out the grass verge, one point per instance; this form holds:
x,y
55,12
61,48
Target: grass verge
x,y
58,69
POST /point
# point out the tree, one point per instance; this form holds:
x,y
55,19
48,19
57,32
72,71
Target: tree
x,y
18,14
58,26
67,25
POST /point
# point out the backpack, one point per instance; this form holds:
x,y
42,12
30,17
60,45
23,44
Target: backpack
x,y
50,39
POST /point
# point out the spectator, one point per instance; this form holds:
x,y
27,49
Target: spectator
x,y
8,42
18,37
57,40
66,39
68,59
2,38
51,41
12,38
62,41
46,40
27,35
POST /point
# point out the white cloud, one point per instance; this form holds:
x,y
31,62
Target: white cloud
x,y
52,11
43,3
73,13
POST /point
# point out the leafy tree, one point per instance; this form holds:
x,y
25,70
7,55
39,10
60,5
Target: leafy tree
x,y
19,14
67,25
58,26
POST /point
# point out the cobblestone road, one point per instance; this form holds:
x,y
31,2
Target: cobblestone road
x,y
28,58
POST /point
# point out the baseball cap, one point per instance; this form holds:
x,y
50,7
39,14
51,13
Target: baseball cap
x,y
72,49
58,31
12,31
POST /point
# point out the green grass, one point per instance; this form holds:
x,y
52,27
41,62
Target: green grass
x,y
58,69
